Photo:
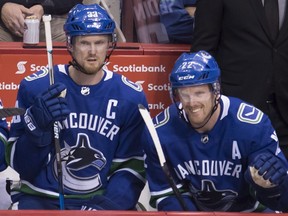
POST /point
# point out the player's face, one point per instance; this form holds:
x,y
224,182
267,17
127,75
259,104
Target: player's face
x,y
198,102
90,52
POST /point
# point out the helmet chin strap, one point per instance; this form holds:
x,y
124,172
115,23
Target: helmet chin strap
x,y
77,66
114,43
186,119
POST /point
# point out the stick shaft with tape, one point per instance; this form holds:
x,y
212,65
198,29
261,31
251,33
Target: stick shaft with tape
x,y
49,48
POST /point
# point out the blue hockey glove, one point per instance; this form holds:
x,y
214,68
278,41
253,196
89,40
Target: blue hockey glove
x,y
267,171
49,107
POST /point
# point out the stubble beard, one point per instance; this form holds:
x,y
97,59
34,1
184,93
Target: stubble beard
x,y
92,70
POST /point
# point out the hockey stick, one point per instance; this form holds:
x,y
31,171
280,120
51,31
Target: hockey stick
x,y
11,111
149,123
46,20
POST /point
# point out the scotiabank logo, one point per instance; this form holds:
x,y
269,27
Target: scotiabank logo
x,y
139,68
21,67
154,87
9,86
157,106
35,68
159,87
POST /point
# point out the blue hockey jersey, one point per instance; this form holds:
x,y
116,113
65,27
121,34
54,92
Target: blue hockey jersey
x,y
209,168
100,147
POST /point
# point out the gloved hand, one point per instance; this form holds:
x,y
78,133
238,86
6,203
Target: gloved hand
x,y
266,171
49,106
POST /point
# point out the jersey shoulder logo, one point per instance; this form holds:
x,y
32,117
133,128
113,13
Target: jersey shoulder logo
x,y
44,72
162,118
249,114
131,84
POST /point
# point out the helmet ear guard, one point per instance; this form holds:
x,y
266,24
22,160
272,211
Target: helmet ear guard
x,y
216,88
114,37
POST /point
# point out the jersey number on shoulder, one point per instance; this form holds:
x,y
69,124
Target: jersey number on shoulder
x,y
249,114
132,84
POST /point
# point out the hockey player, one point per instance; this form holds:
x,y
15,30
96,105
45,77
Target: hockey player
x,y
101,153
222,152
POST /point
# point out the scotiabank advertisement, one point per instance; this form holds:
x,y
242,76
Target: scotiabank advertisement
x,y
151,71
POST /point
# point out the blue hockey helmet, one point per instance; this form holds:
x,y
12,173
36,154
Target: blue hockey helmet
x,y
192,69
88,20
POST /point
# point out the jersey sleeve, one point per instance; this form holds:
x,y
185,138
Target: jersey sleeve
x,y
268,142
22,144
177,21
